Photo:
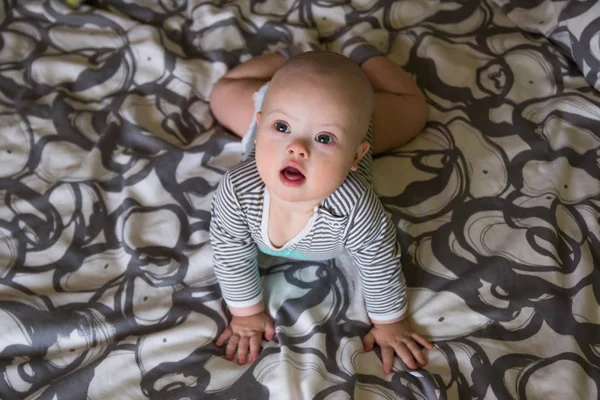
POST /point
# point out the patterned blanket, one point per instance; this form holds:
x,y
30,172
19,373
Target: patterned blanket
x,y
109,158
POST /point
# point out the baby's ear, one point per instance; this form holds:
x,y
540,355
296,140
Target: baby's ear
x,y
258,115
360,153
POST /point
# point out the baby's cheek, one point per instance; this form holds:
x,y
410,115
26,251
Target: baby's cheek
x,y
334,173
262,150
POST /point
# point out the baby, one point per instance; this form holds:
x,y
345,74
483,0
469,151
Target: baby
x,y
304,192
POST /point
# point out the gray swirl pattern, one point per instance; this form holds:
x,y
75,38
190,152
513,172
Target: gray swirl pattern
x,y
109,157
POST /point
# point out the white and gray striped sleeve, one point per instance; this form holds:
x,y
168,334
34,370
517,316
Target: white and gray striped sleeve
x,y
372,243
234,250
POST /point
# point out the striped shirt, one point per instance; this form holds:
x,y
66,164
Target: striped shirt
x,y
351,218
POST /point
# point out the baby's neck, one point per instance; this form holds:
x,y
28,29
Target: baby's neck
x,y
295,209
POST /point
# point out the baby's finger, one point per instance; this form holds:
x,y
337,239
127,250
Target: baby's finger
x,y
422,341
224,337
416,352
387,353
269,330
254,346
231,346
369,341
405,355
242,351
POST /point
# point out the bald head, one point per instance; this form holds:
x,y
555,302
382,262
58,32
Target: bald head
x,y
332,67
333,72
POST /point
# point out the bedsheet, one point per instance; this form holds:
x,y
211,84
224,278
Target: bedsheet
x,y
109,158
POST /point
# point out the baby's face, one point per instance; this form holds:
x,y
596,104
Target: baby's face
x,y
310,136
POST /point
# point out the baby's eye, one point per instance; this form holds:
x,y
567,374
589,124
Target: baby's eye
x,y
323,138
281,127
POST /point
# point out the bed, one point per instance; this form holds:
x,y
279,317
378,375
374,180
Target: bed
x,y
109,158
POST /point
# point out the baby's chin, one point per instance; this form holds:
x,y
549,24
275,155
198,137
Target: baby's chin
x,y
297,195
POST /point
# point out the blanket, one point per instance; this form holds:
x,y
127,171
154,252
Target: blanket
x,y
109,157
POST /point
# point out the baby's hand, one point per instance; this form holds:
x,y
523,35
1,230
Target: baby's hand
x,y
244,332
400,338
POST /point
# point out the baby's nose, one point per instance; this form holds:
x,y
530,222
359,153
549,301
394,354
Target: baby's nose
x,y
299,149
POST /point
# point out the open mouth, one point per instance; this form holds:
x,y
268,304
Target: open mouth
x,y
291,176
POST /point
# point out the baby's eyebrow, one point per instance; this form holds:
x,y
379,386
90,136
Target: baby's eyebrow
x,y
279,111
338,127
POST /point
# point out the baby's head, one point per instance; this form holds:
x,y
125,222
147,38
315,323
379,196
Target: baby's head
x,y
311,131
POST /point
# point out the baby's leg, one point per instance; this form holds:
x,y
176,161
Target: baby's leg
x,y
231,98
400,108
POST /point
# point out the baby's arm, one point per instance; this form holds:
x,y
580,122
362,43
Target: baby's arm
x,y
372,243
235,263
231,98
